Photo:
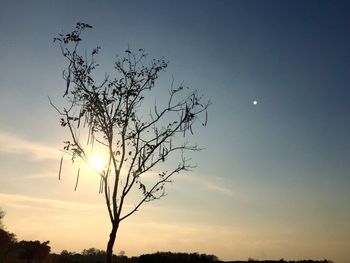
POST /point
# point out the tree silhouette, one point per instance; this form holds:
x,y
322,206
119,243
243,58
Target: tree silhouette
x,y
33,251
2,215
7,239
113,114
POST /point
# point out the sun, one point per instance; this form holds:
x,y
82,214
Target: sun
x,y
97,163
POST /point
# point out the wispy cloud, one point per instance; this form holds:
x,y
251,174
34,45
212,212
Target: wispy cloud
x,y
209,184
213,184
40,175
15,144
24,201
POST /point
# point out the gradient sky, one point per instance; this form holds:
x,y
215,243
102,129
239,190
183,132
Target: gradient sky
x,y
273,181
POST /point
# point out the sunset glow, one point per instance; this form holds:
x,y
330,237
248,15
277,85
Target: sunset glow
x,y
272,179
97,163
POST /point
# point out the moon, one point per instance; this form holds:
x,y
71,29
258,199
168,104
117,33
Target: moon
x,y
255,102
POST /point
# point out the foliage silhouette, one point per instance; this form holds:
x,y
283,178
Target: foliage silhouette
x,y
2,215
169,257
37,252
160,257
7,239
32,251
112,112
12,251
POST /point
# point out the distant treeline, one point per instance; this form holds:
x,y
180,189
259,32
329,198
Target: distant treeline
x,y
13,251
98,256
279,261
23,251
37,252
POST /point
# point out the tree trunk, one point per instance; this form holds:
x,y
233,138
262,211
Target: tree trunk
x,y
110,243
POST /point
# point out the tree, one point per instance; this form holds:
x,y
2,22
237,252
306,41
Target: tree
x,y
7,239
2,215
111,112
33,250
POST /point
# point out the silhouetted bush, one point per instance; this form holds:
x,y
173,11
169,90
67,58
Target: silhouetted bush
x,y
7,241
169,257
25,251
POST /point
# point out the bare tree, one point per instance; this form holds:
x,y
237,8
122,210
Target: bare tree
x,y
112,113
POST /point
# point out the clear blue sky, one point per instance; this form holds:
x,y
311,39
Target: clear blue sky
x,y
273,181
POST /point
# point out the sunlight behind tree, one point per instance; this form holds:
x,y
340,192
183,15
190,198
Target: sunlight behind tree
x,y
111,115
97,162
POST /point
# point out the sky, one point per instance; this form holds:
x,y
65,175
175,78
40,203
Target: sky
x,y
273,179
